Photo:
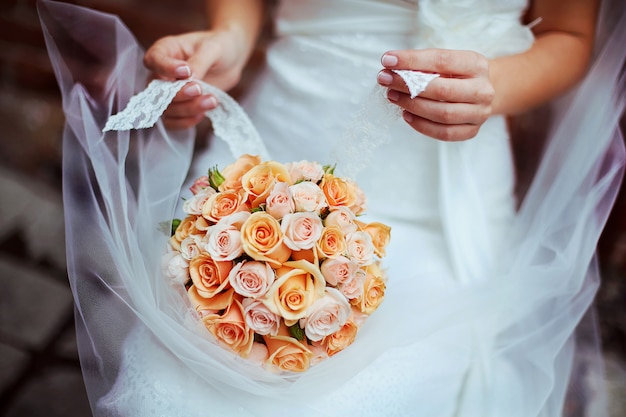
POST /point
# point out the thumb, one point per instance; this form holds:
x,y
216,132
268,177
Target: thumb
x,y
161,61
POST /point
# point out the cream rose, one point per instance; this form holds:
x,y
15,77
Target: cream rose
x,y
381,234
194,204
279,202
343,218
286,353
223,204
231,329
208,276
326,316
301,230
308,196
259,318
175,267
353,286
232,173
338,270
331,243
298,285
373,290
262,239
341,339
190,247
305,170
223,242
360,248
259,181
251,279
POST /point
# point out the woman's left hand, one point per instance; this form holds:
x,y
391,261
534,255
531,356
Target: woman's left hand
x,y
455,104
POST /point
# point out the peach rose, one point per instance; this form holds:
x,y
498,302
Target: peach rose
x,y
212,305
298,285
287,353
308,196
232,173
331,243
338,270
301,230
230,329
279,201
338,192
341,339
262,239
360,248
326,316
194,204
175,267
360,201
259,318
343,218
251,279
223,242
373,290
208,276
184,229
381,234
259,181
305,170
223,204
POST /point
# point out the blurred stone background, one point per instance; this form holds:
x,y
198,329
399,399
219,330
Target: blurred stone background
x,y
39,368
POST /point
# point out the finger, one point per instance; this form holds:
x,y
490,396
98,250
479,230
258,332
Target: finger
x,y
189,91
443,132
204,58
191,108
178,123
389,79
441,61
440,111
161,59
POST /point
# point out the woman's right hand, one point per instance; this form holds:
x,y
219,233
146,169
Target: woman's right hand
x,y
217,57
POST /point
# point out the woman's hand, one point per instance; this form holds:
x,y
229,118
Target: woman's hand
x,y
454,105
213,56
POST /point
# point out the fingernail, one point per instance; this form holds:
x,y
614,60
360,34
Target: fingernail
x,y
209,103
393,95
192,90
389,60
183,71
384,78
408,117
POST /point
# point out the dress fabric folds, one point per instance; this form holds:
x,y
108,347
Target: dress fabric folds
x,y
485,292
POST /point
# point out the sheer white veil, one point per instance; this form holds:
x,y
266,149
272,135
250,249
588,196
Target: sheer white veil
x,y
122,188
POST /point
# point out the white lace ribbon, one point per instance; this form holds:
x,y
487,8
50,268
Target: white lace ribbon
x,y
230,121
416,81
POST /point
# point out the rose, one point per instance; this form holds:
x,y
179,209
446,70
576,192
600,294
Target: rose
x,y
380,234
326,315
360,248
211,305
201,183
251,279
208,276
194,204
190,246
331,243
341,339
338,192
305,170
184,229
258,353
360,201
373,290
259,181
308,196
279,201
175,267
298,285
223,242
232,173
343,218
259,318
286,353
222,204
231,329
338,270
301,230
262,239
352,287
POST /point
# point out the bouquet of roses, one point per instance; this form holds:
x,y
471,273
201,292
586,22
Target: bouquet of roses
x,y
276,262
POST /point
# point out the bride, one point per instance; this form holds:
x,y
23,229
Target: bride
x,y
485,290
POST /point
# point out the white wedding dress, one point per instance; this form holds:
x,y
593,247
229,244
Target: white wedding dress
x,y
460,332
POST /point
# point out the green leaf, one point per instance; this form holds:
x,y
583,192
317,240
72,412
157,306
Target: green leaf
x,y
296,332
329,169
175,224
262,207
215,178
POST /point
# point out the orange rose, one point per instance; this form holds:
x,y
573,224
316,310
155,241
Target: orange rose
x,y
184,229
298,285
373,290
210,305
380,234
259,181
338,192
341,339
232,173
332,243
208,276
262,239
287,353
230,329
222,204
